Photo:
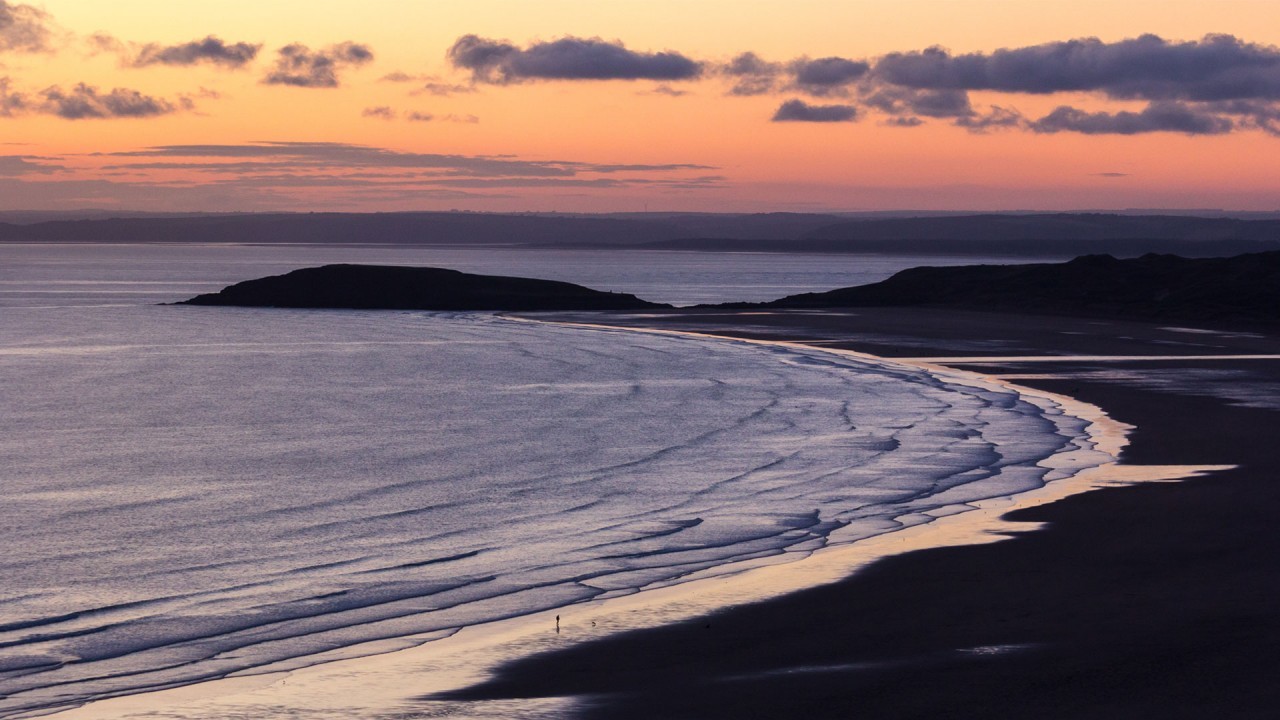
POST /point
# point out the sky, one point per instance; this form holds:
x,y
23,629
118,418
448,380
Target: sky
x,y
628,106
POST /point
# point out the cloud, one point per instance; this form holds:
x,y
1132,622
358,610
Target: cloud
x,y
826,76
101,42
85,102
442,89
1111,174
751,75
667,90
211,50
432,85
11,103
929,103
995,118
906,121
1217,67
319,155
1255,114
428,117
1209,86
24,28
1156,117
15,165
570,58
299,175
382,113
299,66
800,111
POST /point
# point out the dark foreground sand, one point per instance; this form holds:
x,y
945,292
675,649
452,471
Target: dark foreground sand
x,y
1152,601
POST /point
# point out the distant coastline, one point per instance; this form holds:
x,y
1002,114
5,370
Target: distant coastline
x,y
1242,291
1043,235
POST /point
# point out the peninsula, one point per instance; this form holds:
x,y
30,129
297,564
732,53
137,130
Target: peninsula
x,y
1242,290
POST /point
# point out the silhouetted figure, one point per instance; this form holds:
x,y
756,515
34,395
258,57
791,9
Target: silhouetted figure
x,y
557,624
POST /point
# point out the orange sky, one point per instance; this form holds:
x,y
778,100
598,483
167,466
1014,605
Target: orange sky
x,y
1184,138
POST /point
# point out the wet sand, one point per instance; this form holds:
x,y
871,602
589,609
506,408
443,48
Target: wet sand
x,y
1147,601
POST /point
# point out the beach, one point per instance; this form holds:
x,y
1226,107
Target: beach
x,y
1104,603
1156,600
204,493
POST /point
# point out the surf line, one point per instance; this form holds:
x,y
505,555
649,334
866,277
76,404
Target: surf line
x,y
1106,434
376,675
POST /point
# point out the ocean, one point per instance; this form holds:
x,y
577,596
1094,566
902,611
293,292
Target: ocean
x,y
192,492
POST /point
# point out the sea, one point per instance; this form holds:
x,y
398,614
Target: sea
x,y
188,493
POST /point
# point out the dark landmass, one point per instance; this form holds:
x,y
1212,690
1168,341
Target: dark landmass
x,y
436,228
1057,235
1242,290
378,287
1155,600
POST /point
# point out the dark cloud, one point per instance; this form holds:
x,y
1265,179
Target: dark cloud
x,y
1111,174
699,182
85,102
324,175
751,75
910,101
906,121
210,50
648,168
421,117
24,28
1255,114
397,77
328,155
11,103
996,118
800,111
1156,117
570,58
826,76
16,165
299,66
1217,67
382,113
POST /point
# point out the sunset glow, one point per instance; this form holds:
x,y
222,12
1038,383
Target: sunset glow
x,y
587,106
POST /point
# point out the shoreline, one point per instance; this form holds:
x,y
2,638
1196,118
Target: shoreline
x,y
524,636
1153,600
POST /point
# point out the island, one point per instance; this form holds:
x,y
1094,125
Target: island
x,y
385,287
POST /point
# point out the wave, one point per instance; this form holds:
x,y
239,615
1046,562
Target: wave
x,y
272,485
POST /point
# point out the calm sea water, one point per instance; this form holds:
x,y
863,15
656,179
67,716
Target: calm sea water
x,y
191,492
79,274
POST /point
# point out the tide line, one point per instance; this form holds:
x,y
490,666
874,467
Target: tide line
x,y
394,683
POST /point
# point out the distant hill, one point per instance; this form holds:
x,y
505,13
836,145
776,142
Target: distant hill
x,y
1040,234
441,228
1060,233
378,287
1241,290
1046,235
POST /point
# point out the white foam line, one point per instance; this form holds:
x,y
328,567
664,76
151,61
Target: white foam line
x,y
358,682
